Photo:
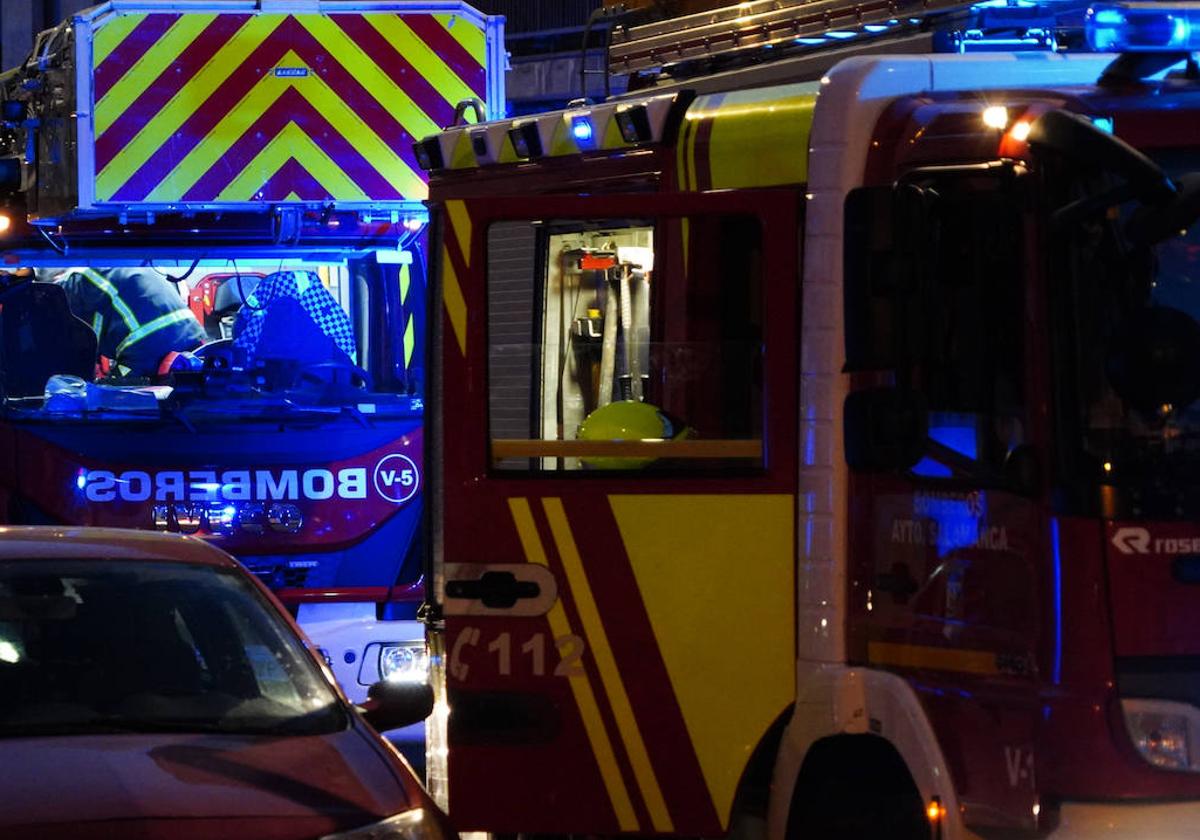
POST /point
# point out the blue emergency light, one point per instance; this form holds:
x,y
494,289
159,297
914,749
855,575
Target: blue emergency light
x,y
581,128
1143,27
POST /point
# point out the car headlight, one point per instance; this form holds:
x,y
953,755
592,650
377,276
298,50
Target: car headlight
x,y
417,824
1164,732
404,662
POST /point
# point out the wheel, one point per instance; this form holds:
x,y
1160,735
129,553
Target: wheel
x,y
856,787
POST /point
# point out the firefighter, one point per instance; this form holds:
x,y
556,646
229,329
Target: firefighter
x,y
138,315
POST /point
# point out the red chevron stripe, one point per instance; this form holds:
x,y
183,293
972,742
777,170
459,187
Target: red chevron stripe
x,y
450,51
293,178
160,91
399,70
290,35
291,107
117,63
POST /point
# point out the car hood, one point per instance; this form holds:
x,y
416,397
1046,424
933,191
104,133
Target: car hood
x,y
335,781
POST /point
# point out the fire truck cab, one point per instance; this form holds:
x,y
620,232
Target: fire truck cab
x,y
255,160
820,460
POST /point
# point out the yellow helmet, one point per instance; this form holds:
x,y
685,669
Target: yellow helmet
x,y
628,420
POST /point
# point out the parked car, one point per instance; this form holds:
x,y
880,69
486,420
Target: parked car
x,y
151,687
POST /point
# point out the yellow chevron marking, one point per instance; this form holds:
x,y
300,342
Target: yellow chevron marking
x,y
290,143
581,687
456,304
463,156
932,658
423,59
370,75
111,34
460,223
733,682
147,68
198,90
260,98
472,38
589,615
292,196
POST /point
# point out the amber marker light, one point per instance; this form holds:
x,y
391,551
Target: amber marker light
x,y
936,812
5,223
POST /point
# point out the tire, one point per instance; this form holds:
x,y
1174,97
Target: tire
x,y
856,788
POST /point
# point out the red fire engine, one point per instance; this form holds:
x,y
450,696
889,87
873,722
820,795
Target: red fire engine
x,y
822,455
218,145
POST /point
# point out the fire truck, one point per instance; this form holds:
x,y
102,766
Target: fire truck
x,y
217,146
823,445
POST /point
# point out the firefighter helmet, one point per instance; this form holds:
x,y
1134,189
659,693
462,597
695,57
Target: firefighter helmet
x,y
628,420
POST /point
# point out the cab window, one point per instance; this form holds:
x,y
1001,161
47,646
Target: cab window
x,y
626,344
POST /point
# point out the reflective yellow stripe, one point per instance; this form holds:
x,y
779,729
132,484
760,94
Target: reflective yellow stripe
x,y
154,326
290,143
598,643
97,323
460,222
199,88
101,282
932,658
456,304
471,37
152,63
109,36
560,626
423,59
732,682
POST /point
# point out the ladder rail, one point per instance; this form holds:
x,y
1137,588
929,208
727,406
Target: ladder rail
x,y
758,25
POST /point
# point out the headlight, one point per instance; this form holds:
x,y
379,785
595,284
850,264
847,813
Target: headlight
x,y
417,824
1164,732
404,662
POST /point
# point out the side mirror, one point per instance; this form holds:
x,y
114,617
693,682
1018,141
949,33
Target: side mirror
x,y
1151,225
1152,362
391,705
885,429
1076,137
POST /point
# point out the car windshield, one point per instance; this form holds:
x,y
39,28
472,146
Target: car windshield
x,y
125,646
144,341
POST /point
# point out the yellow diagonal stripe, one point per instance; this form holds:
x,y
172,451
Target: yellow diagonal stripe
x,y
471,37
370,75
112,33
292,142
456,305
460,223
597,639
147,68
199,88
736,680
932,658
422,57
560,626
260,98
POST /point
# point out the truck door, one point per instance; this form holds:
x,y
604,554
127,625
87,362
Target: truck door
x,y
616,559
950,556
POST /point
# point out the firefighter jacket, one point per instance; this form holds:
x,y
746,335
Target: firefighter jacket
x,y
138,315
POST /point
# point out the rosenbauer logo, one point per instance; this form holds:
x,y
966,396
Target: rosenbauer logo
x,y
1140,541
396,480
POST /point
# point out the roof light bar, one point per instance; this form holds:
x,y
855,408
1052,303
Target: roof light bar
x,y
1143,27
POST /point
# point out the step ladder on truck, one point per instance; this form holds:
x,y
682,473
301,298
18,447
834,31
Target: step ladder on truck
x,y
821,455
258,157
